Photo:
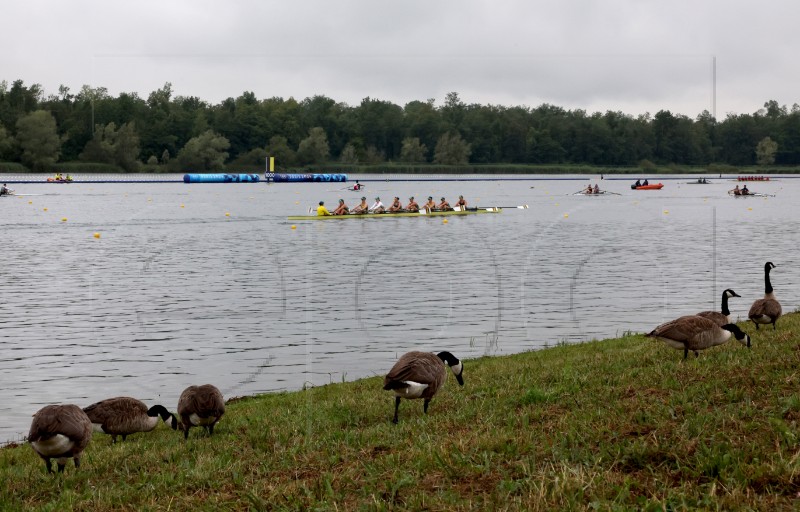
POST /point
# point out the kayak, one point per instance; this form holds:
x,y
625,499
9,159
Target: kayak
x,y
468,211
656,186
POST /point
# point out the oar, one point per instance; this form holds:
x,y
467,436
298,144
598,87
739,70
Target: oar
x,y
520,206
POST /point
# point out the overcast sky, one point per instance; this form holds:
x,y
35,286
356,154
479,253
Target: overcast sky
x,y
633,56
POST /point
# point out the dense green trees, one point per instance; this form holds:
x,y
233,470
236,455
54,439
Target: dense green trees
x,y
180,133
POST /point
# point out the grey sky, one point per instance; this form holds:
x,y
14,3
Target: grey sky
x,y
633,56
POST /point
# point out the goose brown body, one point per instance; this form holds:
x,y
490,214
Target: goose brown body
x,y
420,375
123,416
60,432
768,309
723,316
200,406
695,333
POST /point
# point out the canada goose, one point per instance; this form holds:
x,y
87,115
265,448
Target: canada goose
x,y
124,416
725,316
200,406
697,333
768,309
421,375
60,432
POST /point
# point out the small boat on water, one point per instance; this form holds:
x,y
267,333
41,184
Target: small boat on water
x,y
602,192
699,181
654,186
421,213
749,194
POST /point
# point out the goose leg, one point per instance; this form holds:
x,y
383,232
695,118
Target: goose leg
x,y
396,408
425,406
685,353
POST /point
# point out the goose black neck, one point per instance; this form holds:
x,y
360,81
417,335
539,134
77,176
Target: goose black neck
x,y
725,310
448,358
767,283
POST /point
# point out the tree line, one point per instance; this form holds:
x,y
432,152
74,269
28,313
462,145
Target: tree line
x,y
165,132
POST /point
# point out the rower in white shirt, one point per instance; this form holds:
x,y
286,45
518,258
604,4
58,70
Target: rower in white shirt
x,y
377,206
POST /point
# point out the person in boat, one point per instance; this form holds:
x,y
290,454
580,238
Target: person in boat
x,y
596,188
357,186
362,207
645,182
461,202
68,178
342,209
412,205
444,205
637,184
736,191
377,206
430,205
589,190
745,190
396,206
4,190
321,210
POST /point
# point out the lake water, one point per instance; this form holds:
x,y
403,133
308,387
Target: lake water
x,y
190,284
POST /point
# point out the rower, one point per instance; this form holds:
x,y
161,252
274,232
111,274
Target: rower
x,y
342,209
396,206
412,205
588,190
461,202
430,205
736,191
321,210
443,206
362,207
377,206
596,188
4,190
357,186
745,191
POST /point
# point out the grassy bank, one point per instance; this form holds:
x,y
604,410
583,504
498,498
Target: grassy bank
x,y
621,423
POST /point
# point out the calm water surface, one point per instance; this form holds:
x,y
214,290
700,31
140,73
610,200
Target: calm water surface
x,y
175,292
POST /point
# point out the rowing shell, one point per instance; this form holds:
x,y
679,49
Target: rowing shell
x,y
422,213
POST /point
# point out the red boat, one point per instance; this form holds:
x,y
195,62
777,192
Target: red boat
x,y
655,186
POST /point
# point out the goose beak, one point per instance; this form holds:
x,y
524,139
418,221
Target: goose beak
x,y
747,338
734,294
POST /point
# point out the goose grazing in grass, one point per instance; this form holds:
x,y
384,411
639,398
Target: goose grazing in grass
x,y
725,316
123,416
421,375
60,432
768,309
696,333
200,406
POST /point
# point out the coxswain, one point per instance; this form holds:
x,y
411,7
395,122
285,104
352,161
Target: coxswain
x,y
342,209
321,210
461,202
430,205
444,205
361,207
412,205
396,206
357,186
377,206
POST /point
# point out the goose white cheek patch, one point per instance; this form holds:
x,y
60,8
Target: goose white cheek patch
x,y
457,368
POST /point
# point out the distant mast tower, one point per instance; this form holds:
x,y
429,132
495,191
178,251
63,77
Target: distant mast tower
x,y
714,87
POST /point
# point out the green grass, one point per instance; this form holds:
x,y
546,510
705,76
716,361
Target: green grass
x,y
613,424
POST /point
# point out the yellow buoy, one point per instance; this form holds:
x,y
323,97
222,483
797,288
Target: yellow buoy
x,y
444,221
44,209
297,202
63,219
30,202
96,235
666,211
294,227
181,205
566,215
227,214
749,209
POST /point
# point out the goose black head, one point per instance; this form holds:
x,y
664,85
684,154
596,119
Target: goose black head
x,y
730,293
166,416
739,334
768,266
455,365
